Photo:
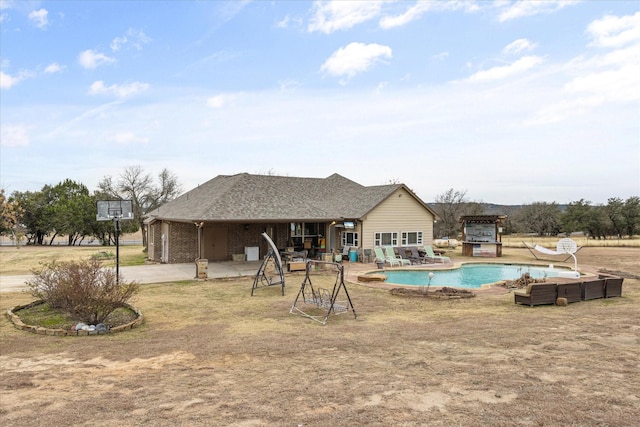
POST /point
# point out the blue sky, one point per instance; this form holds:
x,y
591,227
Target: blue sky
x,y
511,101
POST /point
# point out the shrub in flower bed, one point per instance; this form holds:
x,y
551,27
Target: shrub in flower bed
x,y
83,289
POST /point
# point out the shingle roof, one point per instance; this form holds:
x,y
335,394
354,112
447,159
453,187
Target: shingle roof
x,y
246,197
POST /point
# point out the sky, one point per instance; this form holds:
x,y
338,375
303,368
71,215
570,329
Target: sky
x,y
511,102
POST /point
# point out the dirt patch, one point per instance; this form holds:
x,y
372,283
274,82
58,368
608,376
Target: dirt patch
x,y
211,354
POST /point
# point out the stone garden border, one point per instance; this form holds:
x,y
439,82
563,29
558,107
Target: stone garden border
x,y
17,322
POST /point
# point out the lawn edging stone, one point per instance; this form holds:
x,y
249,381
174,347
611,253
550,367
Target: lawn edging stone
x,y
19,324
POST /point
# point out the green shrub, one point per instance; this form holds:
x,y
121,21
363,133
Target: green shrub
x,y
84,289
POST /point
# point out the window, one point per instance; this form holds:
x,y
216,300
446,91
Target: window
x,y
386,239
350,238
411,238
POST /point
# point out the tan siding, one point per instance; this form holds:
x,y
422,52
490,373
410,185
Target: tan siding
x,y
400,212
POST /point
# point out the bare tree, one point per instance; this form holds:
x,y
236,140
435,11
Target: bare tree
x,y
449,206
138,186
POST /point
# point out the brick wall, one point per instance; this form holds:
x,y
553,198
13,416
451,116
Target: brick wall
x,y
183,242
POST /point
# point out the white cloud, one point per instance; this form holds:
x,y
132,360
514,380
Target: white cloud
x,y
421,7
7,81
14,136
330,16
610,85
117,42
505,71
133,37
524,8
39,18
120,91
518,46
91,59
221,101
54,68
126,138
613,31
411,14
355,58
440,56
284,22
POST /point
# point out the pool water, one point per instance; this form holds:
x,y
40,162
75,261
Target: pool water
x,y
468,275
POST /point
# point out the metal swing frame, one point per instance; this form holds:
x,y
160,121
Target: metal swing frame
x,y
263,278
321,298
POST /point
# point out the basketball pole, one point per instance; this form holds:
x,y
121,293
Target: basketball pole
x,y
116,225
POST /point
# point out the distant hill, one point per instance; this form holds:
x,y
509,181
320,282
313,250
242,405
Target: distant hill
x,y
489,208
496,209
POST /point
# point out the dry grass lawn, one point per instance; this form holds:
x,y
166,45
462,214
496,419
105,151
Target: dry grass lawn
x,y
210,354
19,261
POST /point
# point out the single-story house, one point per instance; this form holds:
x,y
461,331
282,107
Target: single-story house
x,y
228,214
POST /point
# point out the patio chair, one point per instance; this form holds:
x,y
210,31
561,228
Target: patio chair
x,y
391,255
345,253
368,255
433,257
537,294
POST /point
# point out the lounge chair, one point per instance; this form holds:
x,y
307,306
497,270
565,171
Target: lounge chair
x,y
430,255
592,289
405,253
570,291
381,257
612,286
391,255
416,258
537,294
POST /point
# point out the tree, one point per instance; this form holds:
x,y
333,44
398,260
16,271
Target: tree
x,y
631,215
449,206
577,216
73,211
541,218
36,214
138,186
10,219
614,210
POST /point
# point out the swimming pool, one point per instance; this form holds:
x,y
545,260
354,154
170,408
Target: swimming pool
x,y
471,275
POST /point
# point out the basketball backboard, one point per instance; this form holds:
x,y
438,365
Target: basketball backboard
x,y
110,209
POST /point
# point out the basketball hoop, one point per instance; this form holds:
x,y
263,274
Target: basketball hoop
x,y
115,210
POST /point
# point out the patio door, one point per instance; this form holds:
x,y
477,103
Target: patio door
x,y
215,243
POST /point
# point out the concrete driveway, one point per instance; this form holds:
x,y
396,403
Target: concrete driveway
x,y
157,273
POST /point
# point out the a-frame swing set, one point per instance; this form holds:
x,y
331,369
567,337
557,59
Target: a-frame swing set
x,y
271,272
315,303
318,303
